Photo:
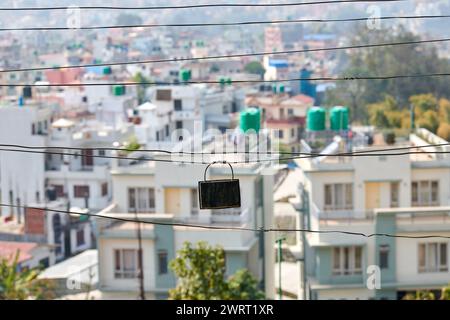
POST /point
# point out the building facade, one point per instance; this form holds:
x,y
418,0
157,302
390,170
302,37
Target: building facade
x,y
402,195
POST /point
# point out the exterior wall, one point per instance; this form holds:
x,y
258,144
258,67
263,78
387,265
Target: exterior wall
x,y
344,294
106,264
121,183
16,167
440,174
402,272
407,272
39,253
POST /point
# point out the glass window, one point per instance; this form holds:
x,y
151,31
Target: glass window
x,y
328,196
178,105
394,194
384,256
81,191
425,193
432,257
132,198
339,196
414,193
162,262
194,201
347,260
434,192
141,199
348,196
125,263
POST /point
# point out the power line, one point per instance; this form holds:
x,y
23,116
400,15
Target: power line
x,y
216,5
237,152
133,83
240,55
213,24
364,153
209,227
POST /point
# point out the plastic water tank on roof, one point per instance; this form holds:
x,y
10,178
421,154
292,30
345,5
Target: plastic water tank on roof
x,y
278,63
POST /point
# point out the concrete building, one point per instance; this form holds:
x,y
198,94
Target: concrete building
x,y
403,195
283,115
167,192
29,254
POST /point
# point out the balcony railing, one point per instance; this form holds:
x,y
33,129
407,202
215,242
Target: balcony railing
x,y
347,216
238,217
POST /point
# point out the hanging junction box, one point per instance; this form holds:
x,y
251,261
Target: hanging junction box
x,y
219,194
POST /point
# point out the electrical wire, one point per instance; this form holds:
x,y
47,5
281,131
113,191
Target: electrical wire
x,y
364,153
239,55
240,23
206,5
229,228
132,83
436,145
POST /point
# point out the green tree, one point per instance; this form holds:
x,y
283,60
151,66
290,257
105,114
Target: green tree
x,y
243,286
23,284
132,144
254,67
444,131
388,60
429,120
201,276
144,83
420,295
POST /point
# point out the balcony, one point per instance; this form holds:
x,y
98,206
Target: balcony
x,y
348,216
237,217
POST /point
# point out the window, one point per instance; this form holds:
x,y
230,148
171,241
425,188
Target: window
x,y
104,189
292,133
425,193
81,191
280,134
33,129
281,113
162,262
164,95
395,186
59,190
290,112
179,124
167,130
347,260
384,256
80,237
125,263
433,257
339,196
178,105
141,199
194,201
101,153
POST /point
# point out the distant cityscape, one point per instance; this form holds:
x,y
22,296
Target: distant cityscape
x,y
106,135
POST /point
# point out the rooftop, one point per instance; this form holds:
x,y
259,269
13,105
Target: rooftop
x,y
8,250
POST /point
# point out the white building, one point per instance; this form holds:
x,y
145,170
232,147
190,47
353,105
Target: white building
x,y
167,192
403,195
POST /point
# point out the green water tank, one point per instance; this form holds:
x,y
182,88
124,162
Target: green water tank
x,y
315,119
250,119
185,75
119,90
281,88
225,81
339,118
107,70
